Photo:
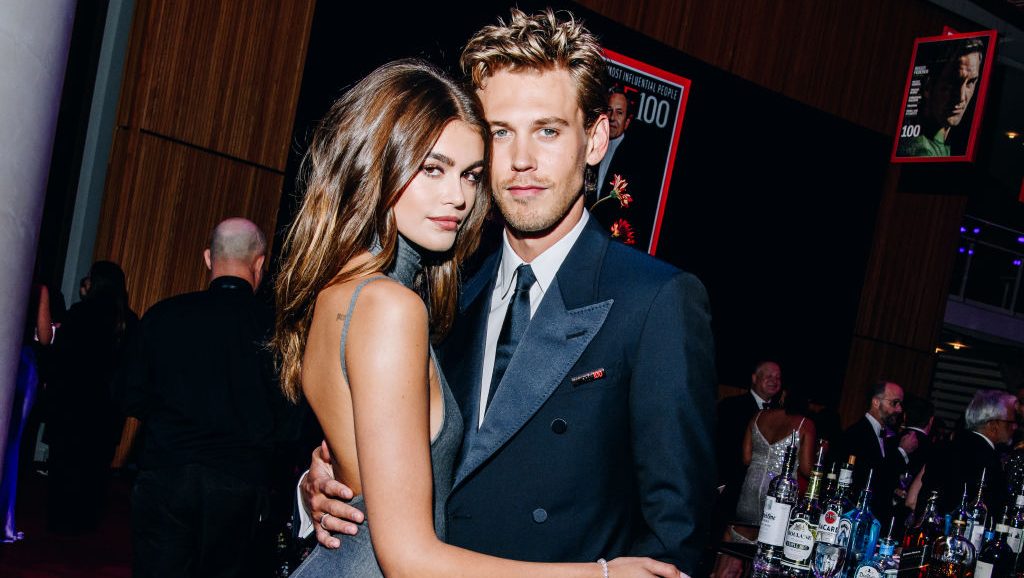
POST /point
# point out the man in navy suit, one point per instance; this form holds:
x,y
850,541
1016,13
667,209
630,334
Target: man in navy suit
x,y
592,437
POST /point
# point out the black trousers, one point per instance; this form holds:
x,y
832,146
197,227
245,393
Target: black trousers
x,y
196,521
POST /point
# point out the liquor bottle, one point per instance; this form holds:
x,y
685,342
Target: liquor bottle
x,y
1015,531
831,512
860,528
829,552
977,515
883,563
918,542
996,559
779,502
803,525
953,555
990,528
845,489
831,483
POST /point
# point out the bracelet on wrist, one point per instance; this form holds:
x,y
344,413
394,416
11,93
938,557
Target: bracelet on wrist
x,y
604,566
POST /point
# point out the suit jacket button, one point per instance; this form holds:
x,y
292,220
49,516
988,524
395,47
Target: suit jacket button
x,y
540,515
559,426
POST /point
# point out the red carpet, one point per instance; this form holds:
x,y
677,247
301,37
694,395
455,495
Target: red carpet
x,y
104,553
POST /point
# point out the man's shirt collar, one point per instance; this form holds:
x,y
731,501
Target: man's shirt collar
x,y
544,266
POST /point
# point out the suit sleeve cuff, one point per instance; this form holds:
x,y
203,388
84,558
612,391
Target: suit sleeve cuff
x,y
906,458
305,517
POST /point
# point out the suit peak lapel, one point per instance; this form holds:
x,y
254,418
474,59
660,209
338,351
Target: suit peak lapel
x,y
580,272
546,353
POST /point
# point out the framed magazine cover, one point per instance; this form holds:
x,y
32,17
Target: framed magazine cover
x,y
646,109
944,98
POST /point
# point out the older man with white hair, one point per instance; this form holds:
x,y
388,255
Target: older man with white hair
x,y
990,422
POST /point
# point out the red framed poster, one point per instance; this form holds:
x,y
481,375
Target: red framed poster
x,y
944,98
646,108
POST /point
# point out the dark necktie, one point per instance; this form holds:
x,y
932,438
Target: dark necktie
x,y
517,317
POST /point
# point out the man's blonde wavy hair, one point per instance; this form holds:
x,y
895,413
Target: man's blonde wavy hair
x,y
541,42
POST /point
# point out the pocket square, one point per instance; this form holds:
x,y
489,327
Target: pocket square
x,y
587,377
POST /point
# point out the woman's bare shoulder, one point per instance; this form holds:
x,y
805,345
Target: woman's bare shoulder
x,y
379,297
381,302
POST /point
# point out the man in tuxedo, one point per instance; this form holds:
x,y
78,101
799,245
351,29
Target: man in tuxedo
x,y
872,439
734,413
991,420
587,435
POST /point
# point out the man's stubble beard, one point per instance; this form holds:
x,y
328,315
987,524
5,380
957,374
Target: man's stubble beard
x,y
530,217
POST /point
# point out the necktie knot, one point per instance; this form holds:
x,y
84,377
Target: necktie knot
x,y
524,278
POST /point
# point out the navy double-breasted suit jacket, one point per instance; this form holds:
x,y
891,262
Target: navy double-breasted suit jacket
x,y
618,465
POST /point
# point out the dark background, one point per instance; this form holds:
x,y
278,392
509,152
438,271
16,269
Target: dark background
x,y
772,202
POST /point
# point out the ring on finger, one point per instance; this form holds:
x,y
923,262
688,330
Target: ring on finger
x,y
322,518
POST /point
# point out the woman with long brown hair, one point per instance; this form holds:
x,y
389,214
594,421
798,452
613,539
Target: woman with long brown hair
x,y
394,202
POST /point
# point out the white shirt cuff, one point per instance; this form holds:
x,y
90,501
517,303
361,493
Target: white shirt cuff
x,y
305,516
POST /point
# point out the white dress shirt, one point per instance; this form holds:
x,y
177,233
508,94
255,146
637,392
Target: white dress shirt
x,y
877,426
544,268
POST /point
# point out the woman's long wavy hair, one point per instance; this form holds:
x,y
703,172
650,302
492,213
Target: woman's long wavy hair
x,y
364,153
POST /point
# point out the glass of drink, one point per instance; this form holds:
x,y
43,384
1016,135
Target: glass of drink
x,y
827,560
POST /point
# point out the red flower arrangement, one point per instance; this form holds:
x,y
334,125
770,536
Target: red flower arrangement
x,y
621,229
619,193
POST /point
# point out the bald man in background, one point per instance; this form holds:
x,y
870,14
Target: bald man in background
x,y
201,382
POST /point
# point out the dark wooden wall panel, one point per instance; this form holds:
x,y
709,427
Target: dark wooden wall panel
x,y
914,244
222,75
204,128
906,285
871,360
159,238
847,57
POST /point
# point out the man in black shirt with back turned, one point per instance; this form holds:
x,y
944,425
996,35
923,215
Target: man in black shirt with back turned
x,y
199,379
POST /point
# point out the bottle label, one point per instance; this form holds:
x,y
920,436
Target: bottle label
x,y
828,525
976,536
843,533
1013,540
846,477
914,557
774,520
983,570
867,571
799,541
